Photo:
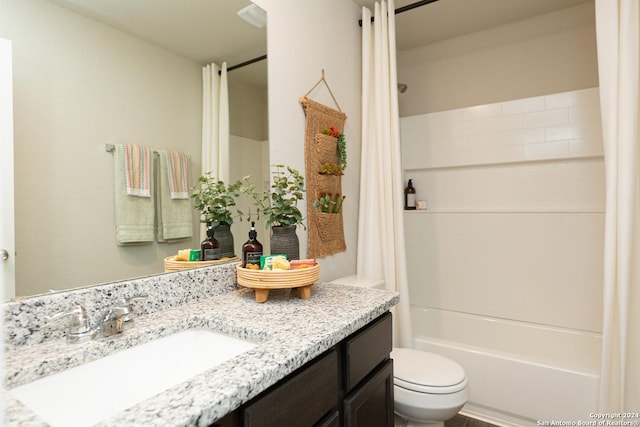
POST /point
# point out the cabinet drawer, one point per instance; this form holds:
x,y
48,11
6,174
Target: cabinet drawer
x,y
366,349
301,399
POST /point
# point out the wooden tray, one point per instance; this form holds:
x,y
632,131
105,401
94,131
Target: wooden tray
x,y
265,280
170,263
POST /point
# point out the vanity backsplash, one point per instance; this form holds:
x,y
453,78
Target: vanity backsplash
x,y
26,321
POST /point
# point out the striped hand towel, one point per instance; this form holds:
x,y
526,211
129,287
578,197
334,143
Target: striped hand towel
x,y
174,217
178,173
134,215
137,169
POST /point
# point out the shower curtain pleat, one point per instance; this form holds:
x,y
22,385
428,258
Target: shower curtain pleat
x,y
381,246
617,35
215,124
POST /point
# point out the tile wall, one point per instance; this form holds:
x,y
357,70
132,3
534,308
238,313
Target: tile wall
x,y
515,209
557,126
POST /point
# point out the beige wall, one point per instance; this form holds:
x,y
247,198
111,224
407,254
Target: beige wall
x,y
305,37
546,54
248,115
79,85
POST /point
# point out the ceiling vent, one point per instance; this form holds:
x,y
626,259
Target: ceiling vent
x,y
254,15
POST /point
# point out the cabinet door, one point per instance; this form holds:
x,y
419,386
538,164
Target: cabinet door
x,y
332,420
301,400
230,420
366,349
371,404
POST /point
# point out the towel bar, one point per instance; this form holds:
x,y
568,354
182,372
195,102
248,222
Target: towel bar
x,y
111,147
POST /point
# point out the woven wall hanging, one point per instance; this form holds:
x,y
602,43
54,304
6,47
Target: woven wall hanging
x,y
324,163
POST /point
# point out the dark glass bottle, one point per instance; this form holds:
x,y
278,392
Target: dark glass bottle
x,y
410,196
252,249
210,247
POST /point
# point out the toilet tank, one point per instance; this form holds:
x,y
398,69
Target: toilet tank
x,y
356,280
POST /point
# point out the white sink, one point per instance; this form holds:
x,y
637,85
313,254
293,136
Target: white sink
x,y
94,391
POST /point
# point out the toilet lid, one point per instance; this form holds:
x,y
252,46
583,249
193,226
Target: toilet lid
x,y
427,372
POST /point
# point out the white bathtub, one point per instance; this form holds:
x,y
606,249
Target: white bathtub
x,y
520,374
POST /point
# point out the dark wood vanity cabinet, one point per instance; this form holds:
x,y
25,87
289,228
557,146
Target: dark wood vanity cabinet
x,y
368,376
372,403
350,385
303,398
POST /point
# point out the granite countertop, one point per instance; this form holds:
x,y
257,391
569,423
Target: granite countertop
x,y
289,332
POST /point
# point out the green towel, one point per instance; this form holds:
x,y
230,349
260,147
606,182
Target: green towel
x,y
134,215
174,217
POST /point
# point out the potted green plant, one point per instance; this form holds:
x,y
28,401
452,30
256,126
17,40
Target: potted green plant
x,y
329,203
215,200
279,207
340,153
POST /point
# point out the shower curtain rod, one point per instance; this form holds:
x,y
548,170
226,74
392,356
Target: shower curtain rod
x,y
396,11
406,8
245,63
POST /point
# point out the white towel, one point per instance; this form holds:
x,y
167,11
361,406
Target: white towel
x,y
134,215
174,216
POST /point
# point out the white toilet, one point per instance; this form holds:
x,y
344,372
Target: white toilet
x,y
428,388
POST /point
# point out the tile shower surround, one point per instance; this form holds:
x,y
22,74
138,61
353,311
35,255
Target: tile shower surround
x,y
289,332
557,126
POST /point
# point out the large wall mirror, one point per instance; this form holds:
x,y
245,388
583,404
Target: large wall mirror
x,y
87,74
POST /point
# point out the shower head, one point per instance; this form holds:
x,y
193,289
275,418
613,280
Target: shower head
x,y
402,88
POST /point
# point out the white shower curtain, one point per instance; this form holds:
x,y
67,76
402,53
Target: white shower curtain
x,y
215,121
215,124
617,34
381,250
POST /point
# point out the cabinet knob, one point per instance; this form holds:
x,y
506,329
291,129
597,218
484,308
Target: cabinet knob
x,y
4,254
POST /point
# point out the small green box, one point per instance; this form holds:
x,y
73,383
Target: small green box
x,y
266,260
194,255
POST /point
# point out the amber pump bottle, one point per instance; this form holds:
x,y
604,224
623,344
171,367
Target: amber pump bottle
x,y
252,249
410,196
210,247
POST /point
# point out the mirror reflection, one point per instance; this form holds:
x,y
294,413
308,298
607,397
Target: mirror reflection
x,y
120,72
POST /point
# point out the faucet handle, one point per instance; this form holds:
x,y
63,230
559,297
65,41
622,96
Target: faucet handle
x,y
125,307
79,326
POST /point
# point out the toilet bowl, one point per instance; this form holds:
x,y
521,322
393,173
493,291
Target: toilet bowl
x,y
428,388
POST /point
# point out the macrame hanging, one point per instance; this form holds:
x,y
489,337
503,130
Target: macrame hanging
x,y
324,165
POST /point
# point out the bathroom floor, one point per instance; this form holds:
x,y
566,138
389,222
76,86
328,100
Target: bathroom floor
x,y
462,421
457,421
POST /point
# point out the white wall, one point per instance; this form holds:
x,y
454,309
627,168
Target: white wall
x,y
305,37
550,53
78,85
7,241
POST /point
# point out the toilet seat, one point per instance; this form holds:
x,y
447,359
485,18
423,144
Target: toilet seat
x,y
424,372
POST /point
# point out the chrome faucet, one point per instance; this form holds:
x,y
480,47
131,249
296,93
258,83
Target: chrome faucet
x,y
114,320
126,309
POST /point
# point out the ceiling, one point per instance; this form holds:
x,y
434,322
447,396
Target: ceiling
x,y
444,19
184,26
